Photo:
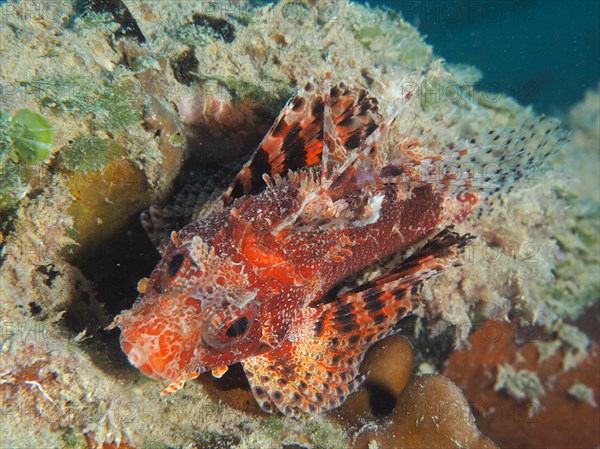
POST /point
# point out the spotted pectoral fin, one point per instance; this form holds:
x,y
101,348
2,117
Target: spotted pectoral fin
x,y
308,376
296,139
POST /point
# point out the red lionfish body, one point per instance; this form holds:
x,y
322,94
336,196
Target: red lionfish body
x,y
248,280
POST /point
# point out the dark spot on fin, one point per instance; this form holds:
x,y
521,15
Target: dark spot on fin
x,y
259,166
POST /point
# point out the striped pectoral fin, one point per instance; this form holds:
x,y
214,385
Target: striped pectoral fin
x,y
371,311
295,140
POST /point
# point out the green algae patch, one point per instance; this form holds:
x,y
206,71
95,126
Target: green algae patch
x,y
26,140
73,440
32,136
89,153
25,137
111,105
324,435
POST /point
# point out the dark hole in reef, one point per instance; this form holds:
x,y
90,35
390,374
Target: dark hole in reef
x,y
49,272
81,313
185,66
434,350
120,14
85,298
234,378
115,265
35,308
214,137
215,440
292,446
381,401
221,27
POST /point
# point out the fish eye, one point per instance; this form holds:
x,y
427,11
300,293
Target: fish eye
x,y
227,326
238,328
170,269
174,265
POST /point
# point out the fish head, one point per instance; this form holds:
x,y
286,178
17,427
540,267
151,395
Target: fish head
x,y
195,313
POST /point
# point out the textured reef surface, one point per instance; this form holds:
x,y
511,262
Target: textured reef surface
x,y
108,107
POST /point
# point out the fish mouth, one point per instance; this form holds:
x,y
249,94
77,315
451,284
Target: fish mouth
x,y
163,348
144,359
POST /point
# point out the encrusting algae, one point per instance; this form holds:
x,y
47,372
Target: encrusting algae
x,y
170,92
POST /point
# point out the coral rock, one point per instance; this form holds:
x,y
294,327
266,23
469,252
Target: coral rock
x,y
388,366
511,413
431,412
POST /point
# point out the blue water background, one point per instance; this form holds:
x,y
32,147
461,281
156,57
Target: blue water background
x,y
542,52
